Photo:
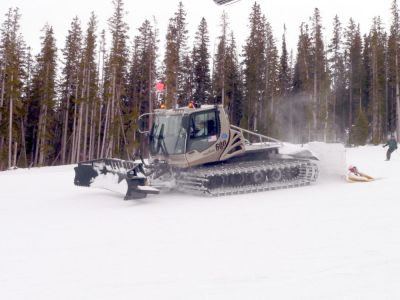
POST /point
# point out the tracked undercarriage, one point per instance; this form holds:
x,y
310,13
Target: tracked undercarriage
x,y
247,177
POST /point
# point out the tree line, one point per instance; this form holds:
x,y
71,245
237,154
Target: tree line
x,y
87,106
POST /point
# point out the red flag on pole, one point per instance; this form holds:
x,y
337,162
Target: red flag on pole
x,y
160,87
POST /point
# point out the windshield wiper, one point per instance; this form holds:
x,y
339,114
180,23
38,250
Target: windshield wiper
x,y
178,139
161,141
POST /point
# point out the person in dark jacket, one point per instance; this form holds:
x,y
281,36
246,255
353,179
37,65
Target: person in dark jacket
x,y
392,143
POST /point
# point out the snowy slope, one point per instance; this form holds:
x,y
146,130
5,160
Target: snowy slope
x,y
331,240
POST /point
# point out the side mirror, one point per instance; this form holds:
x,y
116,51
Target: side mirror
x,y
144,123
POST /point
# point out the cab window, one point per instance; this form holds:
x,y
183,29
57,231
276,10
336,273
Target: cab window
x,y
203,125
203,130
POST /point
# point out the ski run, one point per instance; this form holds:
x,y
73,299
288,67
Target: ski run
x,y
329,240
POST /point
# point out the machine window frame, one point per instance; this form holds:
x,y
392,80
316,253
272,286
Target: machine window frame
x,y
205,140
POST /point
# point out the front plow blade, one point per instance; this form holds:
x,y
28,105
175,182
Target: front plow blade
x,y
116,175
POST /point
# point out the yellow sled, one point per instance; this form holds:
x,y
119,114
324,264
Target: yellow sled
x,y
361,177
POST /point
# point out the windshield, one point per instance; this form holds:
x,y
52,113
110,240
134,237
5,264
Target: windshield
x,y
167,135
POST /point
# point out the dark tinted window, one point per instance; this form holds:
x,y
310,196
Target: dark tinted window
x,y
203,131
203,125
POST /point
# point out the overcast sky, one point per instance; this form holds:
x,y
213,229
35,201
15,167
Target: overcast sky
x,y
59,13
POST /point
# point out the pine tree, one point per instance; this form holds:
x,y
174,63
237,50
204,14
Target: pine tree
x,y
70,86
41,117
114,139
366,73
353,65
90,93
254,69
142,77
188,81
101,83
135,81
394,63
12,59
219,63
201,65
176,41
284,89
359,134
270,112
377,54
337,72
233,87
318,73
27,89
302,87
284,75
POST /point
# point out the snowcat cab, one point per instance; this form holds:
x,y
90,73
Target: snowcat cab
x,y
189,137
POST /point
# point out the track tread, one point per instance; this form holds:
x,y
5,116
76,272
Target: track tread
x,y
198,180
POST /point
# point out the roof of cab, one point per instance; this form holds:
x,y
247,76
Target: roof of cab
x,y
185,109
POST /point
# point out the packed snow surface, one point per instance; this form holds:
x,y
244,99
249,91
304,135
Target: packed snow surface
x,y
330,240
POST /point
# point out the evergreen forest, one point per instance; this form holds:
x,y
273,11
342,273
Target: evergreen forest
x,y
82,102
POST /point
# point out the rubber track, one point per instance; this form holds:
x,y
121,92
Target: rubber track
x,y
196,180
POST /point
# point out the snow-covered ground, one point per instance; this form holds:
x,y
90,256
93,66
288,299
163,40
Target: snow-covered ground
x,y
331,240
